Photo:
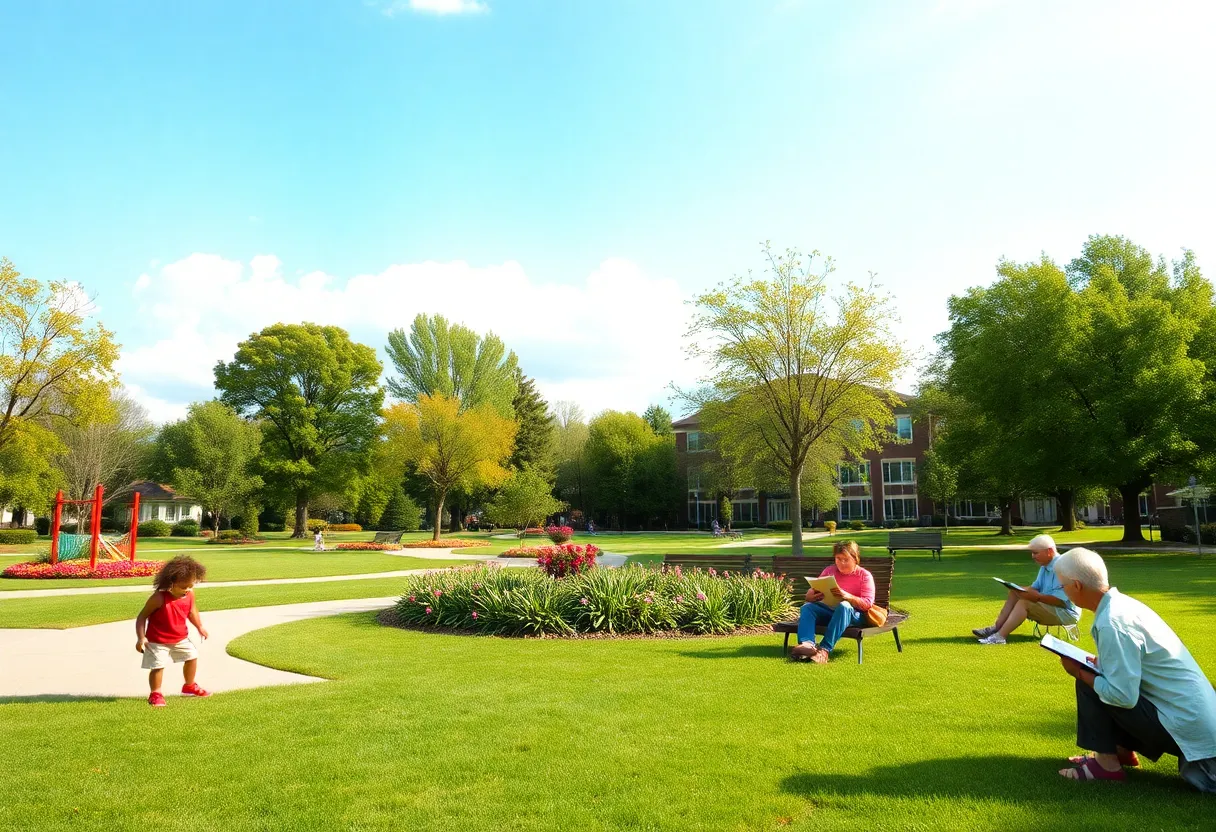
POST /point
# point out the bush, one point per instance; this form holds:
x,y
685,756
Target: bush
x,y
493,600
1207,533
229,534
271,527
568,559
347,527
856,525
317,525
559,534
1188,534
830,525
781,525
248,525
154,528
42,525
17,537
185,528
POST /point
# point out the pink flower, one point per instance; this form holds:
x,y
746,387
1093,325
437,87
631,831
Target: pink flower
x,y
712,572
428,610
474,615
583,601
679,599
411,597
437,593
700,596
476,586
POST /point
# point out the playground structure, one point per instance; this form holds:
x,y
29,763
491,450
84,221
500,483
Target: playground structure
x,y
66,546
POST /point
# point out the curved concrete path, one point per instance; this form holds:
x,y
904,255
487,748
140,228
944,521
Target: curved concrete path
x,y
100,661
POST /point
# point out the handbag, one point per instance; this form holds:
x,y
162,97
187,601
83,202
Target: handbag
x,y
876,616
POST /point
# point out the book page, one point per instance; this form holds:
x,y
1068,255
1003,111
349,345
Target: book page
x,y
1064,648
1010,584
825,585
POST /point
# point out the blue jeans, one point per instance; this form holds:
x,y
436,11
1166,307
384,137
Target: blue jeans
x,y
837,620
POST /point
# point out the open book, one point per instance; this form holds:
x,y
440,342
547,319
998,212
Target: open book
x,y
1071,651
1010,584
825,585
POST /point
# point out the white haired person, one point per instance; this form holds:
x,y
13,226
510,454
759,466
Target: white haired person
x,y
1043,602
1148,694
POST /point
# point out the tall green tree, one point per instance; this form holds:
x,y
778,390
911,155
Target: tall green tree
x,y
53,365
659,420
451,360
794,369
317,397
524,499
632,471
29,476
535,435
211,456
571,475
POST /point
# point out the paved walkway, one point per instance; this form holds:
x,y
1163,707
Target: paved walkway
x,y
100,661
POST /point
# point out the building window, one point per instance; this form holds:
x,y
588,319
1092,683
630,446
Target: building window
x,y
975,508
747,511
702,512
899,472
694,479
856,509
696,442
903,428
899,508
1144,505
171,513
850,473
778,510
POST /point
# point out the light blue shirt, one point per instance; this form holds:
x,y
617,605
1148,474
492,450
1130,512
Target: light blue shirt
x,y
1139,655
1047,583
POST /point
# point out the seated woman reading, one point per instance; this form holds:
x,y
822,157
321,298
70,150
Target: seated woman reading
x,y
855,592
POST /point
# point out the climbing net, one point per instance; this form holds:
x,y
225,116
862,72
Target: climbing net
x,y
73,546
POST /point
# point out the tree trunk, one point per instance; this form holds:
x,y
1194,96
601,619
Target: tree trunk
x,y
439,515
1066,509
796,511
1130,494
1007,516
455,524
301,529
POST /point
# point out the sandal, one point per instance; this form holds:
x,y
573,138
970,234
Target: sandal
x,y
1127,759
1091,770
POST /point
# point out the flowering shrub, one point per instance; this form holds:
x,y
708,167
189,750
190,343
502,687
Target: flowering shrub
x,y
346,527
486,598
227,538
536,551
80,569
366,546
445,543
560,561
559,534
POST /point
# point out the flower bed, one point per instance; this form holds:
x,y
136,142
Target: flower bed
x,y
559,534
445,543
493,600
234,541
537,551
367,546
80,569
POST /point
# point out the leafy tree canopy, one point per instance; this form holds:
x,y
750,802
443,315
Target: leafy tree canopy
x,y
524,499
442,359
659,420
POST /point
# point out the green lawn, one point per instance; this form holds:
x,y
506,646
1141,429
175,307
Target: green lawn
x,y
428,731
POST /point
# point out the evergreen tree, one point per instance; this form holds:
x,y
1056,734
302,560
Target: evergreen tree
x,y
534,440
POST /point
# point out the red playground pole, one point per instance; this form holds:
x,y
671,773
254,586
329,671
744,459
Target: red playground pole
x,y
56,515
95,527
134,524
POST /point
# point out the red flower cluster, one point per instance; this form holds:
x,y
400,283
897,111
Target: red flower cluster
x,y
367,546
567,559
80,569
559,534
537,551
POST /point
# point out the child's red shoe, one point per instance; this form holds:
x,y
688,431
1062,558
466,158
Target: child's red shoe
x,y
194,690
156,700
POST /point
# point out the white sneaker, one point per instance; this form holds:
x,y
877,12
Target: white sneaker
x,y
984,632
995,638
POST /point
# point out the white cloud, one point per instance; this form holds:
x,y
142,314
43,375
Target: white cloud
x,y
615,340
159,410
437,7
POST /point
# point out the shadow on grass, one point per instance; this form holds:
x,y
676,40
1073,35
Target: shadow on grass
x,y
742,651
1001,777
57,697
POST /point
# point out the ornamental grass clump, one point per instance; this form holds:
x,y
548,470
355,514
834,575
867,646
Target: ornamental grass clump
x,y
489,599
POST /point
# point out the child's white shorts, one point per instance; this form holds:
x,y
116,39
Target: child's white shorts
x,y
163,655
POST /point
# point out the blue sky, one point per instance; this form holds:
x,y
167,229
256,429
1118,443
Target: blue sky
x,y
568,173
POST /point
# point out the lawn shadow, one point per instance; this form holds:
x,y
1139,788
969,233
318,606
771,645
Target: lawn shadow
x,y
1006,778
59,697
754,651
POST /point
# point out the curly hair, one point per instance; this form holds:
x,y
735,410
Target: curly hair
x,y
848,546
180,568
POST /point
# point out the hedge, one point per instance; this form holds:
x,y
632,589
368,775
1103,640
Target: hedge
x,y
154,528
17,537
185,528
345,527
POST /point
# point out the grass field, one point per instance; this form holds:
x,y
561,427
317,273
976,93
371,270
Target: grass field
x,y
427,731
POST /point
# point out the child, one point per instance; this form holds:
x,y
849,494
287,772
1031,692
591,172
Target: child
x,y
167,637
318,542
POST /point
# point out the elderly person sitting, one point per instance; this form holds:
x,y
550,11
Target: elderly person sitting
x,y
855,591
1148,696
1044,602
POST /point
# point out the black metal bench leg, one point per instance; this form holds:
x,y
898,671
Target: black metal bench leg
x,y
898,646
859,650
785,645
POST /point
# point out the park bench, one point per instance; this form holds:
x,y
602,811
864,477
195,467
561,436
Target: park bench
x,y
883,570
915,540
387,537
720,563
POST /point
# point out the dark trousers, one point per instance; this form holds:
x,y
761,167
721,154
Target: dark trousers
x,y
1101,727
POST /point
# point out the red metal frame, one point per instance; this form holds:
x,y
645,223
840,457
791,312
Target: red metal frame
x,y
94,524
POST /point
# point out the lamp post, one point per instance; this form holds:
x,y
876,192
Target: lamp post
x,y
1195,507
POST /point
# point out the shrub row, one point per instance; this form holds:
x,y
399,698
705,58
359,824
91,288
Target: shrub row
x,y
494,600
185,528
367,546
444,543
154,528
17,537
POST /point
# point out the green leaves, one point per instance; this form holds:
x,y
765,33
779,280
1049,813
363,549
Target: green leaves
x,y
524,499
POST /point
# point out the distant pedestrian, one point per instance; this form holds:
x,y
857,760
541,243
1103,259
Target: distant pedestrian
x,y
318,542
